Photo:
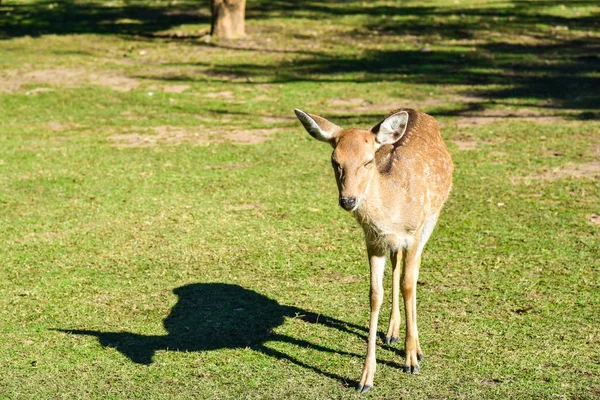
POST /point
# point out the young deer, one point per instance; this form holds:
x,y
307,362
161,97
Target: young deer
x,y
395,179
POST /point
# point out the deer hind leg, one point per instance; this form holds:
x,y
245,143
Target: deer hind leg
x,y
377,264
410,276
393,332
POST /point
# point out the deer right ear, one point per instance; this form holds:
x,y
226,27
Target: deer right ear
x,y
318,127
391,129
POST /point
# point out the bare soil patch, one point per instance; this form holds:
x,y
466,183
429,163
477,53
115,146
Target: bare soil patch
x,y
491,116
60,126
466,98
14,80
491,382
359,105
172,74
342,278
133,116
344,103
226,95
170,135
112,80
248,136
275,120
595,219
589,170
263,97
175,88
465,144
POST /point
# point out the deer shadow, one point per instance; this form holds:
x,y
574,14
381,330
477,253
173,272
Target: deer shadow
x,y
214,316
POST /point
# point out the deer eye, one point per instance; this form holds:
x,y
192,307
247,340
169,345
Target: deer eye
x,y
337,167
369,163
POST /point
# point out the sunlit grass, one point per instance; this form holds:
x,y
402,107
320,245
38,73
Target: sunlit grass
x,y
203,268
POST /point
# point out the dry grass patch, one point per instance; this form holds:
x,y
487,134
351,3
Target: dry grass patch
x,y
465,144
225,95
359,105
13,80
247,136
60,126
170,135
175,88
133,116
589,170
491,116
274,120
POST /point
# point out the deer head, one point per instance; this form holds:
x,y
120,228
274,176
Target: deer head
x,y
353,157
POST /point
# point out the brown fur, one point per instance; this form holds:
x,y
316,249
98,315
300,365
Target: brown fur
x,y
415,176
398,199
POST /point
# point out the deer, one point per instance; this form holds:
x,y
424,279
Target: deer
x,y
394,178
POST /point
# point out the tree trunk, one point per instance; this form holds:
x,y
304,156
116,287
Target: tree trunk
x,y
228,18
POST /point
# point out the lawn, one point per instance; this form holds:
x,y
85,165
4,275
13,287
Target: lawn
x,y
169,230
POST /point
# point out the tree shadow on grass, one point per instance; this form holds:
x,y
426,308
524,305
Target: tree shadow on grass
x,y
74,17
140,18
522,51
214,316
515,50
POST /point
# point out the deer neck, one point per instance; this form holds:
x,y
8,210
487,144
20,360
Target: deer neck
x,y
371,205
384,223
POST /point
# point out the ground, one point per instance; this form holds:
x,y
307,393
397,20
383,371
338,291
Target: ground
x,y
169,230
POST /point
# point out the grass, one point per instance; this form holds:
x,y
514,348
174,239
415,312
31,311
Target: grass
x,y
149,252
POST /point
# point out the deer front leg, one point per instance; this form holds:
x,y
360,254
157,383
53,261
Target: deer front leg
x,y
377,264
393,332
410,275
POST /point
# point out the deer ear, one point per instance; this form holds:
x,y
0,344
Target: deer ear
x,y
391,129
318,127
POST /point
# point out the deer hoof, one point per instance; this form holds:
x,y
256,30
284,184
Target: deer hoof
x,y
411,369
420,356
391,340
364,389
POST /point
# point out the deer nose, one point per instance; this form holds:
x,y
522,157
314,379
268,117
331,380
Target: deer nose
x,y
347,203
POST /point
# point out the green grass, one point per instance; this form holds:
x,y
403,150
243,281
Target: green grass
x,y
182,265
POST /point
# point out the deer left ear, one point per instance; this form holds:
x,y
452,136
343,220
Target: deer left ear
x,y
391,129
318,127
